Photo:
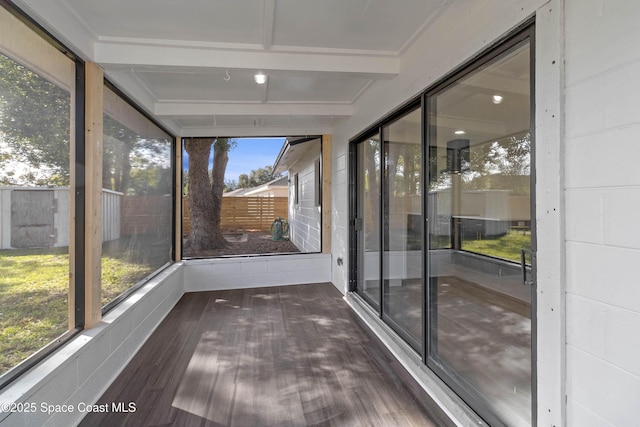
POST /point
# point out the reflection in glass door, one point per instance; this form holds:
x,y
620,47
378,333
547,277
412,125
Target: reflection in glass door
x,y
402,226
479,208
368,219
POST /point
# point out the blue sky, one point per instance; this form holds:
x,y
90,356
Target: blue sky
x,y
249,154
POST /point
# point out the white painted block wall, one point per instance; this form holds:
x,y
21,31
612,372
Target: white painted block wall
x,y
602,204
256,272
305,216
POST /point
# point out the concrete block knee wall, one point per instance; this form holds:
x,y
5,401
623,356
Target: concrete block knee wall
x,y
256,272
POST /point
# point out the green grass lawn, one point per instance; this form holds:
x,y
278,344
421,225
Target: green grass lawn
x,y
506,247
33,302
34,285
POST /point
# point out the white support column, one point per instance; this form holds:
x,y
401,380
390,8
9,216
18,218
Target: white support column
x,y
549,127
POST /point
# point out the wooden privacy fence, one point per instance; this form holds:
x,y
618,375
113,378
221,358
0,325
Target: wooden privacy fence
x,y
146,215
245,213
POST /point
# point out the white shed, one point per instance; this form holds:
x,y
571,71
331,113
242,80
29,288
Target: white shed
x,y
38,217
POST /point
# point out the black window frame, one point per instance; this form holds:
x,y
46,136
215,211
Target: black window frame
x,y
79,189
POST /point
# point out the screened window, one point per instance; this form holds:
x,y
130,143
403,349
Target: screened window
x,y
137,198
37,87
240,198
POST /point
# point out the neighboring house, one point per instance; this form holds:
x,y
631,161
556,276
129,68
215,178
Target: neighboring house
x,y
238,192
274,188
300,158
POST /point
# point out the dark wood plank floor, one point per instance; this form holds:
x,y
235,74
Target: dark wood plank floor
x,y
281,356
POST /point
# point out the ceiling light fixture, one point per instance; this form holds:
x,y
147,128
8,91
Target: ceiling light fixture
x,y
496,99
260,78
459,132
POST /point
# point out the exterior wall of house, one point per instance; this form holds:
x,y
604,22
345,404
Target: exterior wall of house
x,y
602,181
305,215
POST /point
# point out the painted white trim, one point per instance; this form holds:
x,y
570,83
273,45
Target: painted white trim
x,y
550,214
442,395
142,52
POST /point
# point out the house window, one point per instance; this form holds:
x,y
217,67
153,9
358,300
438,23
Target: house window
x,y
296,189
317,193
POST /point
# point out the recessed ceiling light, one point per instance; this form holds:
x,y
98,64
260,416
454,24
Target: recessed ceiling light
x,y
459,132
496,99
260,78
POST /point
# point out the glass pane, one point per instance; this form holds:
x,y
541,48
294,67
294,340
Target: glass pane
x,y
368,222
137,197
35,140
402,259
479,212
268,204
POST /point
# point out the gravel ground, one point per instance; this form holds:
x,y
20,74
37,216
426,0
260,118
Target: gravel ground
x,y
246,243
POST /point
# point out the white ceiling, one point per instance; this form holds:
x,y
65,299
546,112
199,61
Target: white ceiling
x,y
191,63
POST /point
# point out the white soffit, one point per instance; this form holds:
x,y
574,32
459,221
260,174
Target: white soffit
x,y
365,25
222,21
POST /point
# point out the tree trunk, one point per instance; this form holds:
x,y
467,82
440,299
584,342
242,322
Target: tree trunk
x,y
372,150
125,176
220,160
205,228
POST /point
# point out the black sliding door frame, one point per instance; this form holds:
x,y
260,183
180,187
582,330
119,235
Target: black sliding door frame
x,y
76,314
356,222
454,380
525,33
385,196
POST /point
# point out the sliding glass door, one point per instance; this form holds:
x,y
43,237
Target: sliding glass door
x,y
388,220
367,224
402,225
480,216
444,234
